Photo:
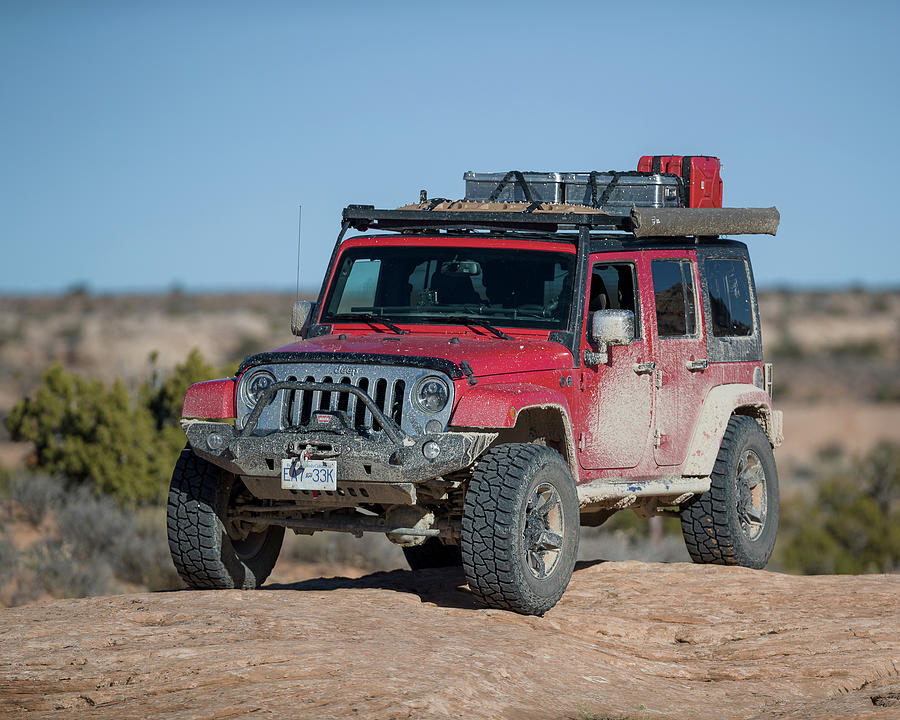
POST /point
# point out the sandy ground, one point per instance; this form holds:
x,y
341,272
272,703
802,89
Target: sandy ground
x,y
628,640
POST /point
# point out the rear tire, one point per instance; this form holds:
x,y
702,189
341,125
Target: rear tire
x,y
520,528
204,554
432,554
736,521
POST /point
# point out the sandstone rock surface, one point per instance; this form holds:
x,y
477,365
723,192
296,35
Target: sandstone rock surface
x,y
628,640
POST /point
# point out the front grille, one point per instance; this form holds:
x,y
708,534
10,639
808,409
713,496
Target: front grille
x,y
388,385
388,393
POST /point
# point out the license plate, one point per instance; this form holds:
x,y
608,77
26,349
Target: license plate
x,y
299,474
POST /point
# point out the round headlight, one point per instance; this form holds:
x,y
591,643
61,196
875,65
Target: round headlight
x,y
256,384
432,394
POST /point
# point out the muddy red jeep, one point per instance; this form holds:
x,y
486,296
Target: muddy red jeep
x,y
479,378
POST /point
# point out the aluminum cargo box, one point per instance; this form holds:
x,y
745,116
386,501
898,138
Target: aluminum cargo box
x,y
624,190
543,186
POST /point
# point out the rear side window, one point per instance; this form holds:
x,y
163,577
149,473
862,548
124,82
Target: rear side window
x,y
673,287
729,298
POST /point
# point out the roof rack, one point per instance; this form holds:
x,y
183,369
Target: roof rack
x,y
642,204
489,216
442,214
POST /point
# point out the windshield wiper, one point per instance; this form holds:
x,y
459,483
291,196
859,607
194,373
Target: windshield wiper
x,y
471,322
369,317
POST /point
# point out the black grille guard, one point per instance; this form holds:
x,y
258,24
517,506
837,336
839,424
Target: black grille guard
x,y
391,429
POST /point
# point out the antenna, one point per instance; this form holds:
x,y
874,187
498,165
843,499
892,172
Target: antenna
x,y
299,223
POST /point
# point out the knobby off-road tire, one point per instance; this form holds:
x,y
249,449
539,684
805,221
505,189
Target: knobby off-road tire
x,y
735,523
432,554
202,551
520,528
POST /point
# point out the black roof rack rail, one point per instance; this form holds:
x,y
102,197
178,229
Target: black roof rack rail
x,y
367,217
640,222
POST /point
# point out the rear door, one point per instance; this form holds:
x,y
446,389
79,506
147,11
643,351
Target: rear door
x,y
680,355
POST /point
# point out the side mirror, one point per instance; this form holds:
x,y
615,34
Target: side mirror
x,y
609,327
612,327
301,314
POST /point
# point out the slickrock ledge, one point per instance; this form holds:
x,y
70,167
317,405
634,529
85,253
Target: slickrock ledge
x,y
628,640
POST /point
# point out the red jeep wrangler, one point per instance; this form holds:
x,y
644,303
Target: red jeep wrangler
x,y
479,378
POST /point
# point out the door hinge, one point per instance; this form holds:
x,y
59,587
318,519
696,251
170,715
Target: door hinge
x,y
658,379
581,382
657,438
580,442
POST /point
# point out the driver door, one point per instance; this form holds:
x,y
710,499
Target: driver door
x,y
616,398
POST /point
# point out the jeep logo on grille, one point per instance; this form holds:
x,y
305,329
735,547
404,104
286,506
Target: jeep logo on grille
x,y
348,370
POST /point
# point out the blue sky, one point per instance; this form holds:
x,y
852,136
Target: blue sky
x,y
152,144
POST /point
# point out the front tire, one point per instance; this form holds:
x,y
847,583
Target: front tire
x,y
736,521
520,528
204,553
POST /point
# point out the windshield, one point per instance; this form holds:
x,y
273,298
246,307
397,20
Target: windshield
x,y
511,288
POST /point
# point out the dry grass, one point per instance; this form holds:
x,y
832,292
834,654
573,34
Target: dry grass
x,y
64,542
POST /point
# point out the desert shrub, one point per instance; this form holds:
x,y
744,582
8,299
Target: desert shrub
x,y
89,545
163,394
851,523
101,437
9,556
92,435
878,303
858,349
5,480
37,494
13,334
887,393
177,301
97,532
59,574
788,349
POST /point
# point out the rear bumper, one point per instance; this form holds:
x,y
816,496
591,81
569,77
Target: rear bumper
x,y
360,458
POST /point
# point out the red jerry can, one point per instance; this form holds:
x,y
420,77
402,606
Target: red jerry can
x,y
700,174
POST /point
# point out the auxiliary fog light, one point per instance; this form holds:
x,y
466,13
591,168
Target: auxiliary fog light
x,y
215,441
431,450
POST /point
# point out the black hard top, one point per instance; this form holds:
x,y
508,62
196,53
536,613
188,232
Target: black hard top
x,y
607,242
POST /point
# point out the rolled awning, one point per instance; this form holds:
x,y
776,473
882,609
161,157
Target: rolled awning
x,y
674,222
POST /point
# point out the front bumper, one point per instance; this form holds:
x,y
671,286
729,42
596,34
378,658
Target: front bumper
x,y
360,458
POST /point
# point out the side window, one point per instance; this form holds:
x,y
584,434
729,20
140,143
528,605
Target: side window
x,y
729,298
673,288
614,287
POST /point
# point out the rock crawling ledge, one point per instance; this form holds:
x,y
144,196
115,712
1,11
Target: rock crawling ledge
x,y
628,640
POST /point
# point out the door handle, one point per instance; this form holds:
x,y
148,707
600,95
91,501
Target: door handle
x,y
644,368
697,365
